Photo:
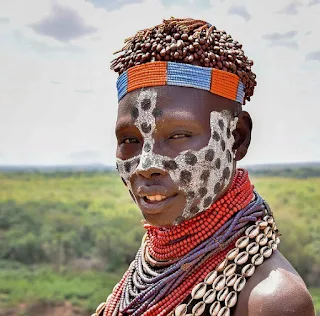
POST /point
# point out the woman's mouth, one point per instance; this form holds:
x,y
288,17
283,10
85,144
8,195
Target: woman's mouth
x,y
154,204
154,198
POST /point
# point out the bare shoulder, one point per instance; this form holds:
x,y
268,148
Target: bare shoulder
x,y
275,289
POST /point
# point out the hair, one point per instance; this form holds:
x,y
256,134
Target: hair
x,y
187,41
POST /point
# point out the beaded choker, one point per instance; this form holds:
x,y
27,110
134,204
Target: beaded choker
x,y
199,258
161,73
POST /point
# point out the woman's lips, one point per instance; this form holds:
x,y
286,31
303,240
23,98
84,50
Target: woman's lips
x,y
153,199
153,190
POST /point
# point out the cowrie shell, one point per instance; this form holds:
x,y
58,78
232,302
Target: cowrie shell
x,y
222,265
224,311
198,309
270,220
222,295
257,259
219,282
263,224
101,307
232,253
262,239
242,242
215,308
231,299
198,291
252,248
231,280
266,218
241,258
210,296
181,310
230,269
266,251
211,277
248,270
268,231
239,284
252,231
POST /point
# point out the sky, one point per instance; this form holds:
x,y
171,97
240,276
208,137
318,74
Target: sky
x,y
58,100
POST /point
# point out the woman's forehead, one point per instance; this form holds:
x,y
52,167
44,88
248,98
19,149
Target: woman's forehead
x,y
174,100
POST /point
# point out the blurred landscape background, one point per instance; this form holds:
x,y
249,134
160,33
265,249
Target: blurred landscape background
x,y
67,234
68,228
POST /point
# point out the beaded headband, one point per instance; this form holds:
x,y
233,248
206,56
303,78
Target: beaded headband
x,y
162,73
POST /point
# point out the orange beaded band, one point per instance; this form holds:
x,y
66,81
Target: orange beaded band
x,y
162,73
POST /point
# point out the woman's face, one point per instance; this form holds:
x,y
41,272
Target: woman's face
x,y
175,150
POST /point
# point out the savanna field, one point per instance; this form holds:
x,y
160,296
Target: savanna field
x,y
67,237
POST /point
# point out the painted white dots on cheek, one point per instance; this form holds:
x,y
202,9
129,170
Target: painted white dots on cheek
x,y
203,174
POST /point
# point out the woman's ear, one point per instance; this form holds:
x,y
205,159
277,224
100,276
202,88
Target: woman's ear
x,y
242,135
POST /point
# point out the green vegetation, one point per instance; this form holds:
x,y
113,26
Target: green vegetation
x,y
42,284
69,236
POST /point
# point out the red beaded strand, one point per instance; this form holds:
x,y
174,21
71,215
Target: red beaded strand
x,y
115,298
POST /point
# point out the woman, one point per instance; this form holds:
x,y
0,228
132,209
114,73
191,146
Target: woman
x,y
210,246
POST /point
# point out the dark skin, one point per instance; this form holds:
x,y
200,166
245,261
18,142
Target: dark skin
x,y
184,124
275,288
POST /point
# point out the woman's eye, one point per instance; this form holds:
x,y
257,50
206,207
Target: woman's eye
x,y
180,135
130,140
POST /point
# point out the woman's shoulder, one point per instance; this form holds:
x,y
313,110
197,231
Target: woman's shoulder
x,y
275,289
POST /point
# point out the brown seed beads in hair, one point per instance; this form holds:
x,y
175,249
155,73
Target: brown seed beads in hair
x,y
187,41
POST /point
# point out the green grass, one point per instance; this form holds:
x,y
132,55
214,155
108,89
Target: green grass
x,y
42,284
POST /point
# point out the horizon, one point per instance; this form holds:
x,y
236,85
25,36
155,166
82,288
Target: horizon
x,y
101,165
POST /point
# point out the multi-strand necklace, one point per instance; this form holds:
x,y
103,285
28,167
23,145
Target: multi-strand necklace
x,y
199,259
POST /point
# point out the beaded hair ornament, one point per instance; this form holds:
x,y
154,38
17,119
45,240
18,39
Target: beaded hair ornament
x,y
187,53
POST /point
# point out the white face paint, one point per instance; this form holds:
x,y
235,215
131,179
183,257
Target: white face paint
x,y
200,174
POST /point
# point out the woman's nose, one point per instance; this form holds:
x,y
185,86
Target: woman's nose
x,y
150,172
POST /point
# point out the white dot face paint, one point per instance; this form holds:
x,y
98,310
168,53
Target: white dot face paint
x,y
200,174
